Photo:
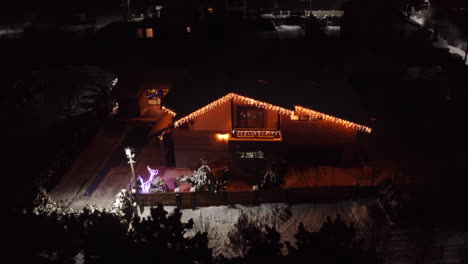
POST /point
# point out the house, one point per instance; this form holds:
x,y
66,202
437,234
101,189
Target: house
x,y
244,132
140,93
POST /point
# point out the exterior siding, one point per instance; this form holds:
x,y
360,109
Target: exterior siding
x,y
323,138
218,119
315,143
189,145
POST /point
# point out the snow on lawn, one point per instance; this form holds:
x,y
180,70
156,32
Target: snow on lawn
x,y
458,51
217,221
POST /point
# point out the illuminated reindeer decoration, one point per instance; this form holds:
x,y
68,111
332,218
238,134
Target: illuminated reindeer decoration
x,y
153,184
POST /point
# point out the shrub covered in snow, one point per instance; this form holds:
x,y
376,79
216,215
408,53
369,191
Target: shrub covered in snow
x,y
205,178
391,198
273,177
124,205
158,185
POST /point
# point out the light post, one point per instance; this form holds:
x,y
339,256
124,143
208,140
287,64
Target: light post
x,y
466,51
130,157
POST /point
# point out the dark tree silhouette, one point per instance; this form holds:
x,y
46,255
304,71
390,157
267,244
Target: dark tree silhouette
x,y
333,243
49,234
255,243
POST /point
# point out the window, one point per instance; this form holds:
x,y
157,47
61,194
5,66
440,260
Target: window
x,y
154,96
248,117
139,32
250,154
149,32
305,118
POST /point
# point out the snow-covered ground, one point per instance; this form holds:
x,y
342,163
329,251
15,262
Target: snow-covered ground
x,y
218,221
55,95
458,51
420,19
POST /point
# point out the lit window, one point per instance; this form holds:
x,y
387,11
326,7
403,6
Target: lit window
x,y
156,101
154,96
250,154
303,117
149,32
294,117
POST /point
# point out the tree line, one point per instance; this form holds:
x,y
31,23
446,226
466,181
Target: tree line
x,y
45,233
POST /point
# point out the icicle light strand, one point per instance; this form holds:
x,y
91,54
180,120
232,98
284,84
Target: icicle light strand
x,y
169,111
226,98
267,106
340,121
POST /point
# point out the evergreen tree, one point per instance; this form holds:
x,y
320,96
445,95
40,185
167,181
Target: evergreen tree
x,y
333,243
255,243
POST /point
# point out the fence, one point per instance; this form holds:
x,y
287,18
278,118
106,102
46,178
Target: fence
x,y
289,196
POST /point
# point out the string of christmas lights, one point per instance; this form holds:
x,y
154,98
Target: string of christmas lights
x,y
256,133
169,111
267,106
226,98
340,121
259,104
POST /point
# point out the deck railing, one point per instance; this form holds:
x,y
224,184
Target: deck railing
x,y
255,133
290,196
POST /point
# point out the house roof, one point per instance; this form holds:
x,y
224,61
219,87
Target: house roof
x,y
131,82
195,103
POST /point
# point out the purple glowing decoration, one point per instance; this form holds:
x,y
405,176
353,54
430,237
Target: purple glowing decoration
x,y
145,185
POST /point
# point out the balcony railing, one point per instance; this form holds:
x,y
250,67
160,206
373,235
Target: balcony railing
x,y
256,133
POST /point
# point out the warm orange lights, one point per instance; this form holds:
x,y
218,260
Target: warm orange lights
x,y
315,114
149,33
169,111
236,98
222,137
256,133
294,115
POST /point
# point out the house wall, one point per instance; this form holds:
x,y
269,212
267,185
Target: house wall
x,y
320,143
218,119
142,101
190,144
323,137
200,135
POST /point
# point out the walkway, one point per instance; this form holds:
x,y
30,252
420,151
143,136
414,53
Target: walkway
x,y
94,162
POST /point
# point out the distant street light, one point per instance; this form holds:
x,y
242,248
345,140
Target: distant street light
x,y
130,157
